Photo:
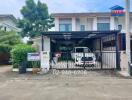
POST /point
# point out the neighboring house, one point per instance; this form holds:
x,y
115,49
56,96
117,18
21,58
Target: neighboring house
x,y
8,23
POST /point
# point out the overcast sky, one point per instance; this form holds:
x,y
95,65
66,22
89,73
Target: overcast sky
x,y
14,6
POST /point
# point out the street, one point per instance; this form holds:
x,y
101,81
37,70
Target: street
x,y
93,86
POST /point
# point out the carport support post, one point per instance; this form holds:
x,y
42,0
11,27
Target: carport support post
x,y
101,53
117,53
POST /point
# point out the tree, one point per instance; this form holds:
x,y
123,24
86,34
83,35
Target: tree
x,y
7,41
35,19
9,38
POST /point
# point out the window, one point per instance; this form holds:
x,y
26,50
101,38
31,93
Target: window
x,y
78,50
65,27
5,29
82,28
110,43
103,26
65,24
119,27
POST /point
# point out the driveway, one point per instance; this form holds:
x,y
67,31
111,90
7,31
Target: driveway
x,y
94,85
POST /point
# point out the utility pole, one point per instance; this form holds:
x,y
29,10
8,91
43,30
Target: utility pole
x,y
127,28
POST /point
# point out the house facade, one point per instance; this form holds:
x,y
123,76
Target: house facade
x,y
85,22
8,23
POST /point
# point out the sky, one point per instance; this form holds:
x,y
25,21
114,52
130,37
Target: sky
x,y
59,6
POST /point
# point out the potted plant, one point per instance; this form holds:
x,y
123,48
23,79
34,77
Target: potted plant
x,y
35,65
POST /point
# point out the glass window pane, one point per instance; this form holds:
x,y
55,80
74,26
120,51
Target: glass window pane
x,y
82,28
103,26
65,27
62,28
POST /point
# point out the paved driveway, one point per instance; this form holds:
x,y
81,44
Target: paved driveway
x,y
91,86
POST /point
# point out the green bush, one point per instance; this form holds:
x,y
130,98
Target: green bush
x,y
4,53
19,54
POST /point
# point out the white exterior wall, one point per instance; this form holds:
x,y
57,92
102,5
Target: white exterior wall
x,y
83,21
91,23
46,44
56,24
131,24
87,22
38,42
8,23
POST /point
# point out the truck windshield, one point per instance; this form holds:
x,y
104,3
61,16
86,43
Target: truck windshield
x,y
80,50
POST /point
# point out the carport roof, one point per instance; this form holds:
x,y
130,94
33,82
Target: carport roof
x,y
78,34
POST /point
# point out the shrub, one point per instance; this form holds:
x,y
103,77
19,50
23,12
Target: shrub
x,y
4,53
19,54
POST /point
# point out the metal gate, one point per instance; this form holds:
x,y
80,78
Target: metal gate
x,y
86,60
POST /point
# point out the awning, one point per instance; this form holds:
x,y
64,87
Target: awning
x,y
78,34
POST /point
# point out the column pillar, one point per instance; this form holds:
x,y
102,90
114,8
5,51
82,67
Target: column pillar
x,y
127,24
73,24
57,24
46,44
112,23
95,24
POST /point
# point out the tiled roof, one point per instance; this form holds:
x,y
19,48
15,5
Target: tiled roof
x,y
8,16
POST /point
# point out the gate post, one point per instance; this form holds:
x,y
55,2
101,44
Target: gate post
x,y
117,53
67,59
84,60
42,42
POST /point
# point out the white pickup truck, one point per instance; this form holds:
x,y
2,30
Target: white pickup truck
x,y
83,56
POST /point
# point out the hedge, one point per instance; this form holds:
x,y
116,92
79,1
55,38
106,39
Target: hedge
x,y
19,54
4,53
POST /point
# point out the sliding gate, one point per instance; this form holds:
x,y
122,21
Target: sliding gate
x,y
89,61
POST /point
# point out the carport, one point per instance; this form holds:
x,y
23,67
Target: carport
x,y
103,44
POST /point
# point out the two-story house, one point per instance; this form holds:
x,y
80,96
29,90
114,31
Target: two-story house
x,y
81,23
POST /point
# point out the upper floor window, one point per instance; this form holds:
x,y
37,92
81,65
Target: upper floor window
x,y
103,26
65,27
65,24
103,23
82,27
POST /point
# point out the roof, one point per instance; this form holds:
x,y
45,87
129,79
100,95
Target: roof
x,y
93,14
117,7
8,16
78,34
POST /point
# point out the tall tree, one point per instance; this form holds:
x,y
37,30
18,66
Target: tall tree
x,y
35,19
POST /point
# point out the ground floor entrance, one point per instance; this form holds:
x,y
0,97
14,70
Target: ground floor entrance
x,y
89,50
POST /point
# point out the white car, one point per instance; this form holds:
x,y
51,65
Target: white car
x,y
83,56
